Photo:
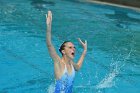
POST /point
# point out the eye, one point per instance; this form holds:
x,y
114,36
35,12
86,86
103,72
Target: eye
x,y
72,47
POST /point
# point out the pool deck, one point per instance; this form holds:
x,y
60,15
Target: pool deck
x,y
112,4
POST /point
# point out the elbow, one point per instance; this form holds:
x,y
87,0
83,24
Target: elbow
x,y
77,67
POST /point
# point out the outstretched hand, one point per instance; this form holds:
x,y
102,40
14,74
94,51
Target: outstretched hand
x,y
49,18
84,44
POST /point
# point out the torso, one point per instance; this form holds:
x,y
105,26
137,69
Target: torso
x,y
65,80
60,67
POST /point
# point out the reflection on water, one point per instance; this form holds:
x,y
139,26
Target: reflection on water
x,y
122,19
41,4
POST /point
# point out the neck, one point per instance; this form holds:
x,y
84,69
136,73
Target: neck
x,y
66,60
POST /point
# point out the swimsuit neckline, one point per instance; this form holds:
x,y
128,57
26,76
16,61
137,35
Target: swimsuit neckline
x,y
66,70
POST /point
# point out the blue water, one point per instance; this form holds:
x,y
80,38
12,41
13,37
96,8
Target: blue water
x,y
113,34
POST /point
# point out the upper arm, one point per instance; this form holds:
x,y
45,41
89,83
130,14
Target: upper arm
x,y
53,53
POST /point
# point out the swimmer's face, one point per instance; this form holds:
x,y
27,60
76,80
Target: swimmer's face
x,y
69,50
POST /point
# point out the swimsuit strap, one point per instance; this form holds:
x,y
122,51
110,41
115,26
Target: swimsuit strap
x,y
72,67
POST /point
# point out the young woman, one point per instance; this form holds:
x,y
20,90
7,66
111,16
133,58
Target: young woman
x,y
64,67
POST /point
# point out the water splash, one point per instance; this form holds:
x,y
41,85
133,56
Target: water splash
x,y
51,88
109,81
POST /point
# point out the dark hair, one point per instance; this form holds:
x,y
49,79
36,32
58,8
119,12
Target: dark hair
x,y
63,46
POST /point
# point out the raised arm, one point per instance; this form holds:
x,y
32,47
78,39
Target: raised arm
x,y
50,46
80,61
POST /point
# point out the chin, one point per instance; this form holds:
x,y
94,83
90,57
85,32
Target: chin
x,y
72,57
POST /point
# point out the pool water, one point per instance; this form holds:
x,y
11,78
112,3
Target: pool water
x,y
113,34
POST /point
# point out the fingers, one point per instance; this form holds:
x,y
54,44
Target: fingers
x,y
49,18
49,15
84,44
82,41
49,11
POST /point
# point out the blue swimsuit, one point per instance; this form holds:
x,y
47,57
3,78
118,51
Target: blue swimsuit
x,y
65,83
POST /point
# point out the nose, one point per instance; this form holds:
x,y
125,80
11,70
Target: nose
x,y
73,48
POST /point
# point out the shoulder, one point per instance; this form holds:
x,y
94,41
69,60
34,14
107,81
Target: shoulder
x,y
58,63
76,67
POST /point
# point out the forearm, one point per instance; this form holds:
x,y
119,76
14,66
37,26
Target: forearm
x,y
48,36
80,61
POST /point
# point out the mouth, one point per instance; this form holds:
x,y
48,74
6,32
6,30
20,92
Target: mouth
x,y
72,53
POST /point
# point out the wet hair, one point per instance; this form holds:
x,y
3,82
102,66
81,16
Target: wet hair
x,y
63,46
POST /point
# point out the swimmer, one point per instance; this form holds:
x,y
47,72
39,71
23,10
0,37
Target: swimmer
x,y
64,68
